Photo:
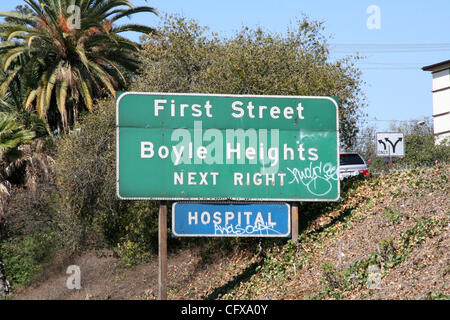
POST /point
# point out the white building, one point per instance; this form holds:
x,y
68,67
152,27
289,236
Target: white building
x,y
441,99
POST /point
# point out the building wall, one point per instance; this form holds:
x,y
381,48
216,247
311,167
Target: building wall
x,y
441,79
441,104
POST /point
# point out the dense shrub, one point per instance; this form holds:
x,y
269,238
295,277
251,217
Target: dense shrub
x,y
420,147
24,256
32,231
421,150
86,179
85,162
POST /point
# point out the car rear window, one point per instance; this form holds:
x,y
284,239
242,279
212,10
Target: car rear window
x,y
351,158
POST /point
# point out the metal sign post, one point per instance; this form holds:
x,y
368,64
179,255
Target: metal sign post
x,y
294,218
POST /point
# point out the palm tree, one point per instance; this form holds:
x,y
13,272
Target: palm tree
x,y
12,136
67,53
12,103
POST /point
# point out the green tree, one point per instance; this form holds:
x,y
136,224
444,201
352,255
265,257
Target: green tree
x,y
67,53
182,57
12,101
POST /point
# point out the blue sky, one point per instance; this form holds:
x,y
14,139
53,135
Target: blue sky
x,y
396,88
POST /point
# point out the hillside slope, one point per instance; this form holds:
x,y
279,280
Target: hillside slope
x,y
388,238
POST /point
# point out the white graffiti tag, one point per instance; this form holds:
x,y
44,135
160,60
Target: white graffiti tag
x,y
259,228
317,179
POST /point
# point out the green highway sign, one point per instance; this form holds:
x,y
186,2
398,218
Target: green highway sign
x,y
173,146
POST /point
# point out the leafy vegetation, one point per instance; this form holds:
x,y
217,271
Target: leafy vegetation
x,y
438,295
33,231
183,57
11,103
86,177
420,147
25,256
54,63
12,135
393,214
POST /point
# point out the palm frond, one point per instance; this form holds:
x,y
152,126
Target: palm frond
x,y
129,12
12,133
133,27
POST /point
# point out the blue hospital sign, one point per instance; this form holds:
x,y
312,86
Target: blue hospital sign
x,y
231,220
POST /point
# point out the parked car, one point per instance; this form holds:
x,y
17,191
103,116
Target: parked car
x,y
351,165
